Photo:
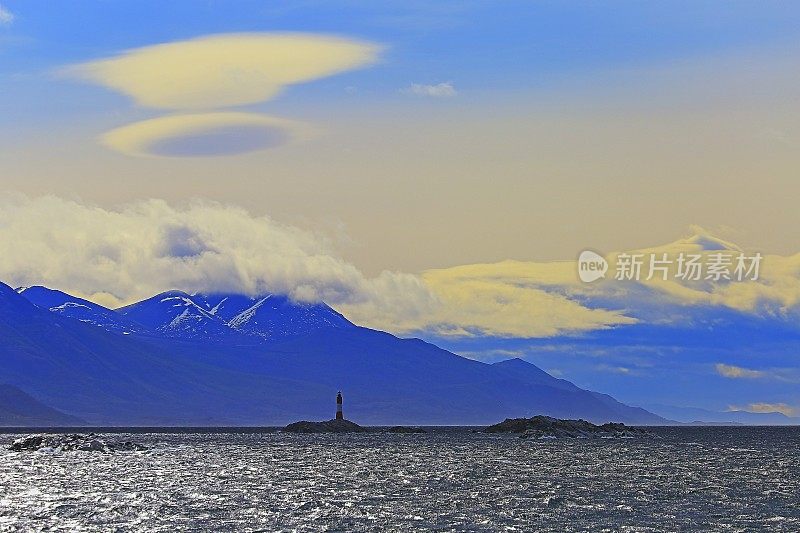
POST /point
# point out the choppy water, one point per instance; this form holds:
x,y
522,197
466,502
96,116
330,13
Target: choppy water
x,y
705,479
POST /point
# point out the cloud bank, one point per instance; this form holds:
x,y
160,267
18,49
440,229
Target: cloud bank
x,y
116,256
513,298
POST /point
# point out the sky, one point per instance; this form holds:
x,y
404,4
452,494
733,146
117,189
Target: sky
x,y
432,169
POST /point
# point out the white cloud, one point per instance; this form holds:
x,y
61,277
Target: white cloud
x,y
119,256
736,372
622,370
6,16
440,90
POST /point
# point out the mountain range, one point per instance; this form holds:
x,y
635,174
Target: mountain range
x,y
232,359
696,415
178,315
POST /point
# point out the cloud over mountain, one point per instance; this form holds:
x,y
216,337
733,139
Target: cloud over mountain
x,y
116,256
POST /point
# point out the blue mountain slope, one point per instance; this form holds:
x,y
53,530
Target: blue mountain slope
x,y
535,375
632,360
20,409
522,369
105,378
80,309
411,381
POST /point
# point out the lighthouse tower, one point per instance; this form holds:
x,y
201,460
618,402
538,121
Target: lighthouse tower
x,y
339,415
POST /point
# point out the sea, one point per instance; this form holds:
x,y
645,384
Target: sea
x,y
448,479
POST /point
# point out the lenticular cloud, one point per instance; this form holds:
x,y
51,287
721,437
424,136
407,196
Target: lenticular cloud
x,y
205,134
225,70
211,73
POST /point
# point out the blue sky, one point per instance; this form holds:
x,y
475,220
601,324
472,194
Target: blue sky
x,y
426,176
479,46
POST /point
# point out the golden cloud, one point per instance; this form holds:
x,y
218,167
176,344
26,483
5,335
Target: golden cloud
x,y
763,407
491,302
224,70
205,134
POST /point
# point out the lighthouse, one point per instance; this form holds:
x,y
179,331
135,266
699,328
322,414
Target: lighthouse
x,y
339,415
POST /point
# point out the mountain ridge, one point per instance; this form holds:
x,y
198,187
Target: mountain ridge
x,y
106,377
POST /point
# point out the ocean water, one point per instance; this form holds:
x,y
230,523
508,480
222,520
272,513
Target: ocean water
x,y
689,479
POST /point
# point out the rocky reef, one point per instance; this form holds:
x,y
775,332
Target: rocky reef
x,y
545,427
405,429
328,426
88,442
344,426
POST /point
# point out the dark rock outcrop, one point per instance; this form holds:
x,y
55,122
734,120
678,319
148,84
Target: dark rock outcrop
x,y
344,426
328,426
70,442
405,429
545,427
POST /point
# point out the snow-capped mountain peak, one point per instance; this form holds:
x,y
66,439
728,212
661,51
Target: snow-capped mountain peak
x,y
245,316
79,309
271,316
176,314
206,317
